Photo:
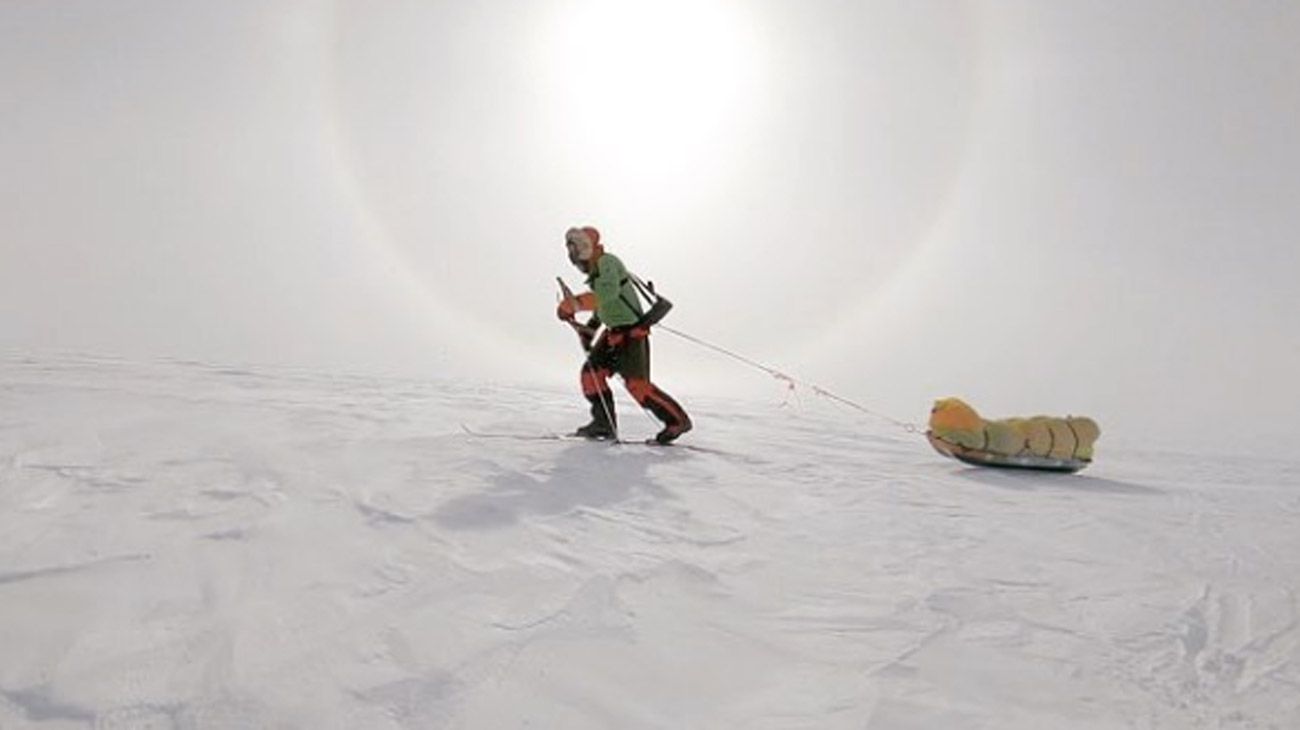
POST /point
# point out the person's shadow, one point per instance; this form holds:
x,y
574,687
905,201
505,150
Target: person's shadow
x,y
583,475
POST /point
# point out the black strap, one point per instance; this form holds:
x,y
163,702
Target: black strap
x,y
634,306
646,290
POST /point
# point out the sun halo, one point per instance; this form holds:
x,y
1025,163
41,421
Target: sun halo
x,y
652,90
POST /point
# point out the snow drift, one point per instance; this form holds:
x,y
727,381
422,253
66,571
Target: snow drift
x,y
190,545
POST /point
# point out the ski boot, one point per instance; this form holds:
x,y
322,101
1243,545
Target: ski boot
x,y
595,431
670,433
604,425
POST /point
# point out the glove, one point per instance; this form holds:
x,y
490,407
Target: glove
x,y
569,306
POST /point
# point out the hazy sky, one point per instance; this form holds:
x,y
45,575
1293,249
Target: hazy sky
x,y
1084,207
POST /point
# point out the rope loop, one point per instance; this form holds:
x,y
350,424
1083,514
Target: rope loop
x,y
792,383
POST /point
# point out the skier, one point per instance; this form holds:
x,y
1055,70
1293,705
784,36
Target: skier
x,y
623,347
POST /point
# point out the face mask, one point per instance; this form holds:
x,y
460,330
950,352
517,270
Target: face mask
x,y
580,248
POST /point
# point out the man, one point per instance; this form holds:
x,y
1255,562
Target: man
x,y
623,347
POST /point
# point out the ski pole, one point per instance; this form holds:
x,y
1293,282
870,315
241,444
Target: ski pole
x,y
585,338
583,332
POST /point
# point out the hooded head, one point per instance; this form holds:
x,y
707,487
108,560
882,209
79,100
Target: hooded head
x,y
953,414
584,246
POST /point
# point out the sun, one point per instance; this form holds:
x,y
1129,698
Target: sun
x,y
653,90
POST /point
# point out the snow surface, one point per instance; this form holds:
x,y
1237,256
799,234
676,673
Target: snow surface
x,y
196,546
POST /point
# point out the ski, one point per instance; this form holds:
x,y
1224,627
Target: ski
x,y
553,436
547,436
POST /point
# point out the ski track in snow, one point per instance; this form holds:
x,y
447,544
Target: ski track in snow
x,y
192,545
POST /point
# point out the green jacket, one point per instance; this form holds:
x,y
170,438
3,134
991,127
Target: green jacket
x,y
617,304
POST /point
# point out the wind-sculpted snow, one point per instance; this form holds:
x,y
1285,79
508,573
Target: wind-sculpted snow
x,y
186,545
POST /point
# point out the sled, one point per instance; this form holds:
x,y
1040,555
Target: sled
x,y
979,457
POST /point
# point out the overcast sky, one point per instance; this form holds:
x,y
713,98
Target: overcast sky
x,y
1084,207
